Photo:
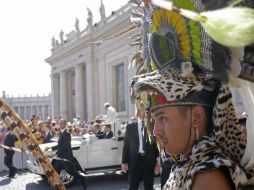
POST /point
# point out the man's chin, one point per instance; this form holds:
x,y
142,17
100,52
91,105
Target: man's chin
x,y
170,152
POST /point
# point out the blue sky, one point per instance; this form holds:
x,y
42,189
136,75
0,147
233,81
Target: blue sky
x,y
27,27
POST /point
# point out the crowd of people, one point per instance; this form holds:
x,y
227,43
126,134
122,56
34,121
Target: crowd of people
x,y
43,131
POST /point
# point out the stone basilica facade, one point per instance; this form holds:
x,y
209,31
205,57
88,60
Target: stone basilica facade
x,y
91,67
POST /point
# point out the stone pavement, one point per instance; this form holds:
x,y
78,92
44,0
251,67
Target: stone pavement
x,y
25,180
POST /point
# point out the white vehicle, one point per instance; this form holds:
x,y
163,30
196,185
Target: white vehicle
x,y
93,155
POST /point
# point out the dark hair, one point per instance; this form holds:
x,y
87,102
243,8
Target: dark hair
x,y
209,120
208,112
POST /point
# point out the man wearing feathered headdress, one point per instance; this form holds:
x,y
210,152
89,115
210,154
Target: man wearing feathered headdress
x,y
189,98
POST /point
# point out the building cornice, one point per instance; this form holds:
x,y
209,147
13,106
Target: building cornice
x,y
120,19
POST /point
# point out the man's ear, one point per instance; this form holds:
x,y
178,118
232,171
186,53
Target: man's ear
x,y
197,115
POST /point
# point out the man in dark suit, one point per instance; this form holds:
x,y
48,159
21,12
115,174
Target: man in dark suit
x,y
97,131
140,156
108,134
10,140
48,134
64,152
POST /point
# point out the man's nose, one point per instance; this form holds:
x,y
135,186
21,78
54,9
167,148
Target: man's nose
x,y
157,129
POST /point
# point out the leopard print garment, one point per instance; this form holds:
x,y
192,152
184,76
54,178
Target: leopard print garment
x,y
206,155
226,145
227,131
169,82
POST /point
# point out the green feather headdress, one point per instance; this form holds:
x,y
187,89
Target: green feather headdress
x,y
175,39
230,26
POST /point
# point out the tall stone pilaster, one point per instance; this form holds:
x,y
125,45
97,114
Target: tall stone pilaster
x,y
38,113
43,115
49,110
69,94
79,91
25,113
63,95
19,111
55,95
89,93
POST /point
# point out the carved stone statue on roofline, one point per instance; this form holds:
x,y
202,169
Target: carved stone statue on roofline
x,y
61,35
77,26
102,12
89,20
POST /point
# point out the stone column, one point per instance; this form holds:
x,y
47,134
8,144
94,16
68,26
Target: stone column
x,y
43,115
19,111
28,112
49,110
102,80
38,113
79,91
69,94
63,95
53,98
55,95
89,93
31,111
25,115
